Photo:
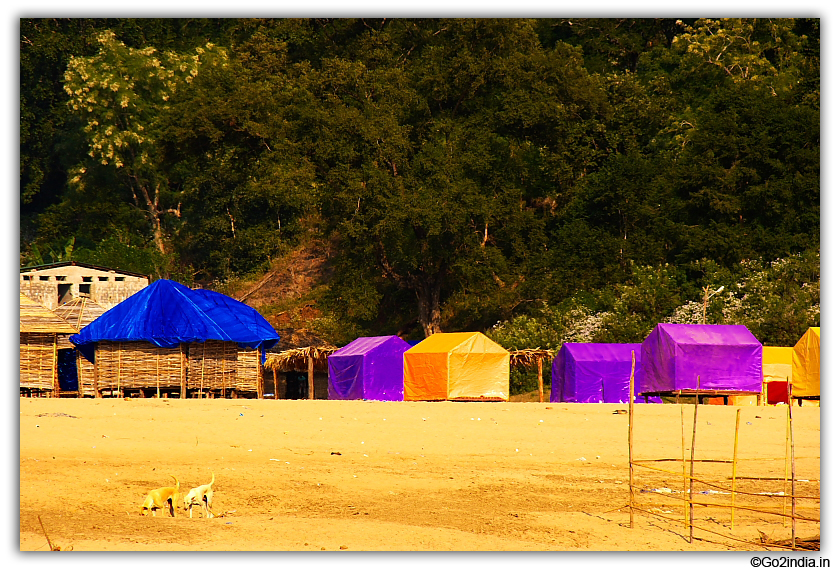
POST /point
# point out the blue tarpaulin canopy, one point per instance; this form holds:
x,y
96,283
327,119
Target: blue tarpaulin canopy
x,y
369,368
167,313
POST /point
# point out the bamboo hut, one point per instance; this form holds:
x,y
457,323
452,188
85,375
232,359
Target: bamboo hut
x,y
80,312
169,338
39,333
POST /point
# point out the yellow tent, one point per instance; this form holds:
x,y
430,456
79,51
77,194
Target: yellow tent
x,y
450,366
777,366
806,365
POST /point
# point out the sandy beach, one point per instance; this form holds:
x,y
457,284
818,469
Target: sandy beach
x,y
301,475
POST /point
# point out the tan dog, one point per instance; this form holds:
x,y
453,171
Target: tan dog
x,y
158,499
201,496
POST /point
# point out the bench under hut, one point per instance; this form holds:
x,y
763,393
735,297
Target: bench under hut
x,y
311,360
169,338
532,358
40,330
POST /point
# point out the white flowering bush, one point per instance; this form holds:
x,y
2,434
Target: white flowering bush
x,y
777,301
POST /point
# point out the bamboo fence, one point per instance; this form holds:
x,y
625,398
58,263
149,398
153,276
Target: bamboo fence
x,y
689,499
137,365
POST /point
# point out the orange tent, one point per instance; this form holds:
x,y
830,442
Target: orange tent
x,y
451,366
806,365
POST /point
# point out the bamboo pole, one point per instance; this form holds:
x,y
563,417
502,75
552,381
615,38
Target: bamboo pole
x,y
734,467
540,378
201,382
792,472
685,480
184,361
260,377
119,371
276,391
96,361
787,465
310,370
157,374
56,387
630,431
691,481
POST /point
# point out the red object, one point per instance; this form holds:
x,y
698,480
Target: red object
x,y
777,392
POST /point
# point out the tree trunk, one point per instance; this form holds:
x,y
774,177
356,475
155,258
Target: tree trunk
x,y
428,301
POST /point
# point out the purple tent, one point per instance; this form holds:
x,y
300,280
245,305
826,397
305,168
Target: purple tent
x,y
593,372
725,357
369,368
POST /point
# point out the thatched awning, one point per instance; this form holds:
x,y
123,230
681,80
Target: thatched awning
x,y
529,357
297,359
36,318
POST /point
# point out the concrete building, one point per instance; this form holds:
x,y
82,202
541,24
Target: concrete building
x,y
54,284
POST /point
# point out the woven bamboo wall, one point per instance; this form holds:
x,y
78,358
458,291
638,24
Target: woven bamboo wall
x,y
37,360
248,370
212,365
137,364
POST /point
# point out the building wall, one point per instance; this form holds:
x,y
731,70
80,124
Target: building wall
x,y
108,288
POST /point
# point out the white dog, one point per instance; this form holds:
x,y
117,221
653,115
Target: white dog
x,y
201,496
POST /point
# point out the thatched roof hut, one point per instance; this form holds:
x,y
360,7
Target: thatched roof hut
x,y
39,332
170,337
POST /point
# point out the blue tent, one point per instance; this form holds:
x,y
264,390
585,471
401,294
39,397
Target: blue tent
x,y
167,313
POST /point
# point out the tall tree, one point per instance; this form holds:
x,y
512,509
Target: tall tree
x,y
120,95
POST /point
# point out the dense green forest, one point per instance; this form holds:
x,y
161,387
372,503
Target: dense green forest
x,y
544,180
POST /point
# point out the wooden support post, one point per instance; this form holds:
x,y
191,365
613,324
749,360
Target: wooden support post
x,y
201,383
691,481
79,373
685,479
787,468
276,391
260,377
97,393
56,391
310,369
630,432
792,474
184,363
734,467
540,378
